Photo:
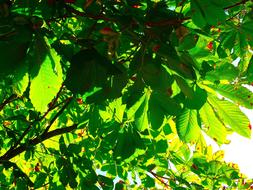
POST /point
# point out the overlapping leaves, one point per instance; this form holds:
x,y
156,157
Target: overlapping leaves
x,y
142,81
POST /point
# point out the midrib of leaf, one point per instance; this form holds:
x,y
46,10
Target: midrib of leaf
x,y
216,128
187,126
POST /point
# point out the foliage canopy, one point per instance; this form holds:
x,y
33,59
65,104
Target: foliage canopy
x,y
125,87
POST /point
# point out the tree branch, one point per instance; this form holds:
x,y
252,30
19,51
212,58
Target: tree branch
x,y
52,104
8,100
235,5
12,153
68,100
83,14
159,178
172,22
32,124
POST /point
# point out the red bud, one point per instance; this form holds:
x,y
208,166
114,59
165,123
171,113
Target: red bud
x,y
210,46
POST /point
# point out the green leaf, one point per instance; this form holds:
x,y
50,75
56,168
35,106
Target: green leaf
x,y
21,80
249,73
46,83
161,146
141,115
238,94
156,76
40,180
197,100
247,27
187,126
88,69
14,43
161,105
178,64
106,181
184,86
74,148
215,128
188,42
204,11
127,142
223,71
232,116
133,109
62,146
148,181
198,16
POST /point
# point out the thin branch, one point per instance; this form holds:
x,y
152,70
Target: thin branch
x,y
52,104
159,178
33,123
172,22
67,101
8,100
19,172
235,5
11,154
83,14
153,173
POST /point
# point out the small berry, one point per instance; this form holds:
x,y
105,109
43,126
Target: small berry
x,y
210,46
250,127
